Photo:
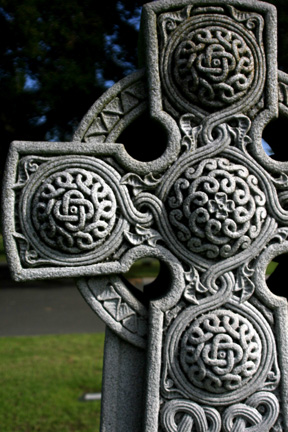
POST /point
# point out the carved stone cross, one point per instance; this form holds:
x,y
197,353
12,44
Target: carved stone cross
x,y
212,208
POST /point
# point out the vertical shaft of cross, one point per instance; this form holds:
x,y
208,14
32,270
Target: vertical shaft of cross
x,y
153,370
212,209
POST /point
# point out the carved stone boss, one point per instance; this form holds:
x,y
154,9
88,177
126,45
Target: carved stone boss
x,y
212,209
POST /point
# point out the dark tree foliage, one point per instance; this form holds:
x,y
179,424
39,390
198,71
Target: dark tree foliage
x,y
276,131
56,58
282,8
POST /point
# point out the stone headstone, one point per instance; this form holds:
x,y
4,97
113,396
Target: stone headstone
x,y
205,347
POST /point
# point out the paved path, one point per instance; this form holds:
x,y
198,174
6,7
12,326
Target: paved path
x,y
46,307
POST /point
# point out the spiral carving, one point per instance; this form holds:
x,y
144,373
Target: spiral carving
x,y
211,63
217,208
220,351
74,210
213,66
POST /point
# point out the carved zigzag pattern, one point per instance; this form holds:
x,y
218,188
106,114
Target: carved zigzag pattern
x,y
120,311
115,110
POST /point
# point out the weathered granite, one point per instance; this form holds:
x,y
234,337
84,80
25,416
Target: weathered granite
x,y
212,208
123,386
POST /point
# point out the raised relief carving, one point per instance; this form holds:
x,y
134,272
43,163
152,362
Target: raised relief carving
x,y
73,210
220,351
210,58
218,357
181,415
259,412
213,67
216,208
68,209
107,118
212,209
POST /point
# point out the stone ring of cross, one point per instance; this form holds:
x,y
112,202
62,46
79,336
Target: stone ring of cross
x,y
206,344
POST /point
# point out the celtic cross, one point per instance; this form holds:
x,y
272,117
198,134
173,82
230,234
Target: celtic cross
x,y
212,208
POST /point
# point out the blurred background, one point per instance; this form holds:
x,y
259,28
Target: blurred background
x,y
56,59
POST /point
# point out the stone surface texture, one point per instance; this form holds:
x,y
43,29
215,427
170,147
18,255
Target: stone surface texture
x,y
206,349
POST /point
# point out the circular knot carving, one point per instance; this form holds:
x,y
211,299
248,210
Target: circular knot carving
x,y
212,63
220,351
216,208
213,67
74,210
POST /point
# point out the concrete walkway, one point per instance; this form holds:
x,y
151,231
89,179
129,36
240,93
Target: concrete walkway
x,y
46,307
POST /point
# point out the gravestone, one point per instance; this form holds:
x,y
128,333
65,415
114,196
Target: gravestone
x,y
205,346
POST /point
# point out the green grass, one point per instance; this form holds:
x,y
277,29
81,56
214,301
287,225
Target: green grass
x,y
145,267
271,267
42,378
149,267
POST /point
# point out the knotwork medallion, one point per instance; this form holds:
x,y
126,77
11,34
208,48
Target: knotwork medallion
x,y
211,208
216,208
71,204
220,351
74,210
227,352
212,66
